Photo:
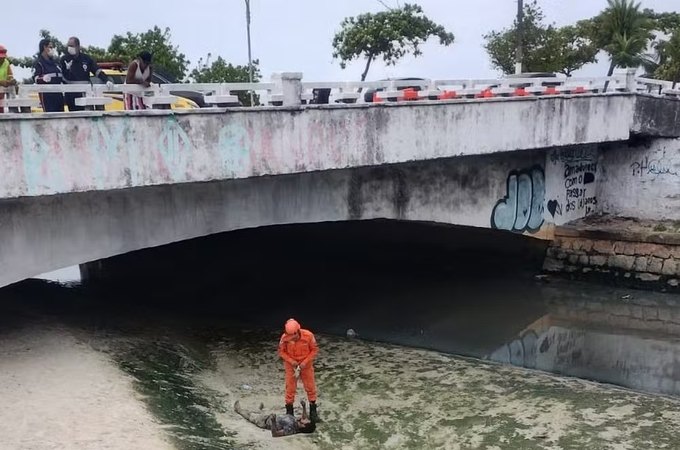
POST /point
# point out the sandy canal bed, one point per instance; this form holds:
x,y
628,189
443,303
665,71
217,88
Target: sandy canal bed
x,y
56,392
65,387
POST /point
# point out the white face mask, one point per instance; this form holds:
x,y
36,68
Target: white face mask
x,y
53,53
72,51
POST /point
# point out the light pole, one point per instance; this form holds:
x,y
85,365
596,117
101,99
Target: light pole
x,y
520,33
250,58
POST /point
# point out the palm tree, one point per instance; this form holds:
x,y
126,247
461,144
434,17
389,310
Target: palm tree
x,y
624,31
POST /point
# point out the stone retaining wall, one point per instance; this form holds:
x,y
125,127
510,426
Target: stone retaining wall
x,y
634,263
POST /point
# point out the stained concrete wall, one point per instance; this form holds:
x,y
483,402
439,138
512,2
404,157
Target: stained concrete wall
x,y
641,180
76,152
40,234
82,187
573,175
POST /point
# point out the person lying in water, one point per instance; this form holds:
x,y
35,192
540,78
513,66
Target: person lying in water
x,y
281,424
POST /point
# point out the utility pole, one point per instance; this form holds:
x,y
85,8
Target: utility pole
x,y
520,35
250,57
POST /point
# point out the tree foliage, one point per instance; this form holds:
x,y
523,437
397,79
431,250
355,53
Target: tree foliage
x,y
545,48
124,48
665,62
668,58
166,57
28,61
390,34
623,31
219,71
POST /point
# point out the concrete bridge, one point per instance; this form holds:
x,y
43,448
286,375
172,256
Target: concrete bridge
x,y
81,187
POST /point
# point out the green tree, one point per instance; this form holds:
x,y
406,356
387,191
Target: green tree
x,y
567,50
502,45
28,61
545,48
390,34
166,57
664,63
668,57
622,30
665,22
219,71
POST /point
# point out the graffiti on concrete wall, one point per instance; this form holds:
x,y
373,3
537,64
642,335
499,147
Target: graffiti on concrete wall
x,y
660,165
103,153
231,145
175,148
572,191
39,156
106,144
522,207
577,177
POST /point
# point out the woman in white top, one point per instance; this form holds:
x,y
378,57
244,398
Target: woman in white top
x,y
139,72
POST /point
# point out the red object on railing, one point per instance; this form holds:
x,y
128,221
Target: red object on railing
x,y
579,90
520,92
115,65
447,95
376,99
486,93
551,90
410,94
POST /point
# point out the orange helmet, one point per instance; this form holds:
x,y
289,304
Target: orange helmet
x,y
292,326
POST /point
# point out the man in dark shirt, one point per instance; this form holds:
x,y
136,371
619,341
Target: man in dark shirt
x,y
76,68
280,425
47,71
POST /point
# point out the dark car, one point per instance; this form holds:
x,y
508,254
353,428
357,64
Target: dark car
x,y
534,75
159,77
118,70
368,94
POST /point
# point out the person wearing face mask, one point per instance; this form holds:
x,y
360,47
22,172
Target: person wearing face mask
x,y
6,75
46,70
76,67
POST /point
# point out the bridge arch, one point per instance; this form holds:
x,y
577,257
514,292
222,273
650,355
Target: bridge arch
x,y
49,232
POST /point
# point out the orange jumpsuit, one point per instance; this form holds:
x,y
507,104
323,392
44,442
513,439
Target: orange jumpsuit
x,y
300,352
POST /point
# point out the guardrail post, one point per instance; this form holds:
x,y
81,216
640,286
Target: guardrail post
x,y
291,88
631,83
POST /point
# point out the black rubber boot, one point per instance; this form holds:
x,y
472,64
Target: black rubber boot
x,y
313,414
289,409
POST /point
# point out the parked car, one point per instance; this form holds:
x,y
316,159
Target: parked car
x,y
188,99
534,75
117,72
368,94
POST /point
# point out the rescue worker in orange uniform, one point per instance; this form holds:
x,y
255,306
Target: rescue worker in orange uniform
x,y
298,348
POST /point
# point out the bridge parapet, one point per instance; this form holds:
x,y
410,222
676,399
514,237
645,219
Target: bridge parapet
x,y
299,92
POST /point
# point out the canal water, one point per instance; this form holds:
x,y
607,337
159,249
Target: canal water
x,y
502,362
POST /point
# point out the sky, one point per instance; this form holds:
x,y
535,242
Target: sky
x,y
288,35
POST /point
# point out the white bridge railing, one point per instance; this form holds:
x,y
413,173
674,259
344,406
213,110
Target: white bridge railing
x,y
288,89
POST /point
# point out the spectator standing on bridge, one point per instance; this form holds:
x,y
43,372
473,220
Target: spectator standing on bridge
x,y
139,72
46,71
76,68
6,75
298,349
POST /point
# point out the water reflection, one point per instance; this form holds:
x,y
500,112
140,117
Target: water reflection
x,y
628,338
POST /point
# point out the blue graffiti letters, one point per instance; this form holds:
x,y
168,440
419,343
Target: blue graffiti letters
x,y
522,207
